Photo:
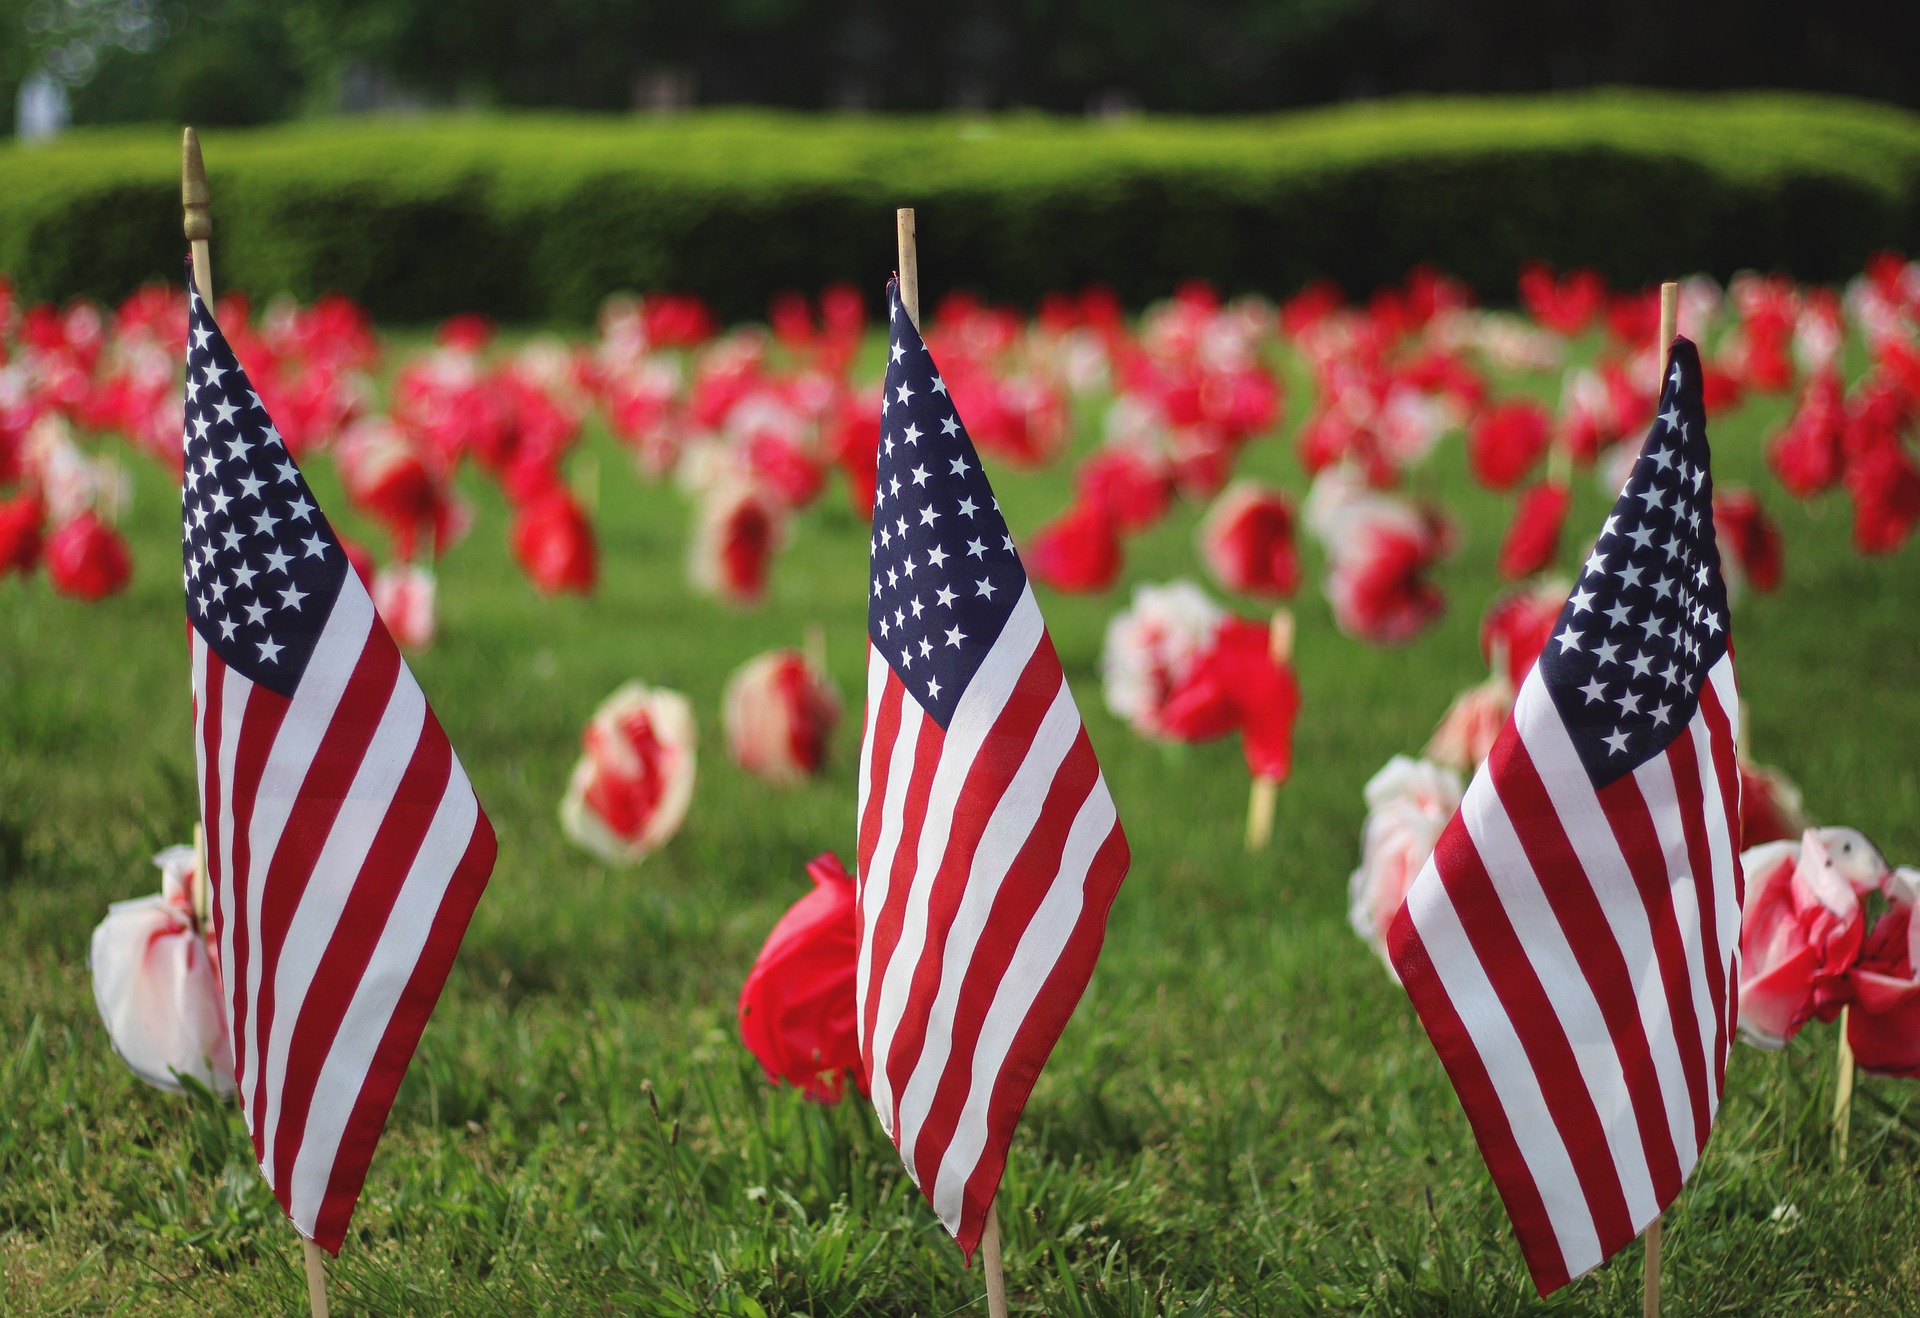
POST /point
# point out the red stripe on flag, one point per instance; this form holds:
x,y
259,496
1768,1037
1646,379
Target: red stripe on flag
x,y
1028,881
987,780
409,1020
1569,891
1486,1114
1684,761
1524,1001
1059,996
1726,770
362,923
324,788
266,709
1632,822
906,861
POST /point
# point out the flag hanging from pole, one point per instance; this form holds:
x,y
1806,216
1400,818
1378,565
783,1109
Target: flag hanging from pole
x,y
345,848
1571,946
989,848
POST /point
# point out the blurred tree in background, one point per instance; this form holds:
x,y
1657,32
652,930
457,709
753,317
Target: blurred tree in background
x,y
248,61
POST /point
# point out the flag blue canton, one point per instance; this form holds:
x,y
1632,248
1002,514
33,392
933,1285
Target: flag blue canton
x,y
944,576
1648,619
262,567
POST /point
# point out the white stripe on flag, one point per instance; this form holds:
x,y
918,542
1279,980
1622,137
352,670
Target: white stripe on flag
x,y
1006,833
976,716
364,1026
336,870
1041,945
1464,980
1577,1012
876,876
305,722
1607,874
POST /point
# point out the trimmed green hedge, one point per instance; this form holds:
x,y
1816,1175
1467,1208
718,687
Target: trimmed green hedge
x,y
538,217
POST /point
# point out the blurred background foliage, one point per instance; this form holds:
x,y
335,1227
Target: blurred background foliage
x,y
236,62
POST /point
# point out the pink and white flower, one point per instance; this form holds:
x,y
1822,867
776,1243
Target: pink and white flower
x,y
156,982
1802,929
779,713
630,791
1151,649
1408,805
403,594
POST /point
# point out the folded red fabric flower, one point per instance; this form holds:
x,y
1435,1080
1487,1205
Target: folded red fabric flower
x,y
87,559
798,1009
1534,536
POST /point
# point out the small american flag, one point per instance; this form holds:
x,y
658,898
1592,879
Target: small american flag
x,y
345,849
1572,944
989,848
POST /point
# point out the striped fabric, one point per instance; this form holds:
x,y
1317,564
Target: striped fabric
x,y
989,849
1572,944
345,848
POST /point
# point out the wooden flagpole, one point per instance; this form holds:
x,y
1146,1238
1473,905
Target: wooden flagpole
x,y
197,224
1266,791
910,299
197,216
1669,326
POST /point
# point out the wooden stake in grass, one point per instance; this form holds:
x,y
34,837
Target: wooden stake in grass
x,y
1266,791
1842,1093
910,299
1669,326
197,224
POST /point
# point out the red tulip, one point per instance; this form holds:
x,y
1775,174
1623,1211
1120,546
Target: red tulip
x,y
1236,682
798,1010
87,559
779,712
23,521
1520,623
1886,499
553,541
1076,552
1534,537
1746,530
1505,442
1247,544
1131,486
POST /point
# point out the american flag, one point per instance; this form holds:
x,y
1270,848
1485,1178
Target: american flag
x,y
989,848
345,849
1572,944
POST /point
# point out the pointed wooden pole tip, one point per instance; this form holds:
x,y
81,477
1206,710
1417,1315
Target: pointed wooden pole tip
x,y
196,217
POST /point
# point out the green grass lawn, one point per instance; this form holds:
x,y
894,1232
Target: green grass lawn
x,y
1244,1116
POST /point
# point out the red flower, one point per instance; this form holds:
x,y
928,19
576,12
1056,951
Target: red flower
x,y
553,540
1520,622
798,1010
1884,1025
1534,537
1077,551
87,559
1743,526
23,522
779,712
631,787
733,543
1133,488
1806,456
1383,595
1886,499
1566,305
1246,541
1801,929
1770,809
1236,682
1506,441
